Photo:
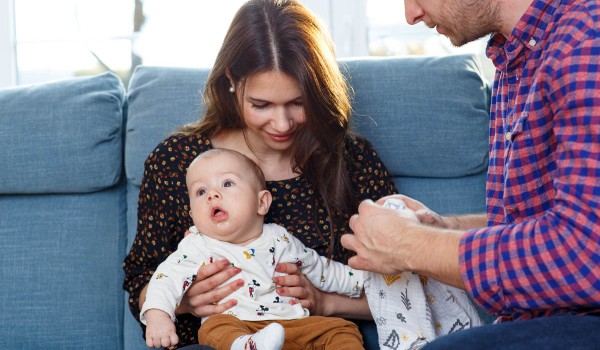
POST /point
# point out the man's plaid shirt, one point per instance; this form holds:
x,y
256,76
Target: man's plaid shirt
x,y
540,254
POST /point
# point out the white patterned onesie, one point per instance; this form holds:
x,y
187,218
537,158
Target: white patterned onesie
x,y
257,301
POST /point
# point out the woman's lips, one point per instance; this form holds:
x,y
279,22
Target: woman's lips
x,y
280,137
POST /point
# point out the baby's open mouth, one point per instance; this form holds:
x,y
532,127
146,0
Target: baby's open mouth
x,y
218,214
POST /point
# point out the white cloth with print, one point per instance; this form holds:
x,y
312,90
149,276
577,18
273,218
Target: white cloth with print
x,y
257,300
411,310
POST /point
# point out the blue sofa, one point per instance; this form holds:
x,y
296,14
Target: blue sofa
x,y
71,163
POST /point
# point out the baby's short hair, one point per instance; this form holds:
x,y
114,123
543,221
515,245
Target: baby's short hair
x,y
249,163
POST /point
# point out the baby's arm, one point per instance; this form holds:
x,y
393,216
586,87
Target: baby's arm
x,y
166,288
160,329
327,275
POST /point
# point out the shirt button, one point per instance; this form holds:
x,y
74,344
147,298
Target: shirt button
x,y
508,136
532,42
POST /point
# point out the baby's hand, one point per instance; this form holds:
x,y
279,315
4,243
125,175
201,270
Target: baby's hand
x,y
160,329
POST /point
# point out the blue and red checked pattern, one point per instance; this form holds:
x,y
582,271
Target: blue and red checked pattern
x,y
540,254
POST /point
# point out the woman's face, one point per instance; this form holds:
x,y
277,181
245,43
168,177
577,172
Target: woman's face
x,y
273,110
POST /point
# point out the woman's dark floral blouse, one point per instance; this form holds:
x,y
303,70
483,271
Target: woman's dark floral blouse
x,y
164,206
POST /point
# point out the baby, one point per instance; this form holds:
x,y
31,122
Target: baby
x,y
228,202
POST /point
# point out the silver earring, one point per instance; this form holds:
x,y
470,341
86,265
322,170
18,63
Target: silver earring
x,y
232,89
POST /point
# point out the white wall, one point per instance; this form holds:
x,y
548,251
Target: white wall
x,y
7,48
347,22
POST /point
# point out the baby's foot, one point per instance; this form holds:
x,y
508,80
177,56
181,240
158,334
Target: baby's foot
x,y
269,338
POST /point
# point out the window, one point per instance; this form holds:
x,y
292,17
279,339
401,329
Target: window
x,y
65,38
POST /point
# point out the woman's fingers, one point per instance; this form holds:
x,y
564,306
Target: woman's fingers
x,y
203,297
295,285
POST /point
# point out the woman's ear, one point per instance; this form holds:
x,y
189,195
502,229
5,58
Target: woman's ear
x,y
230,78
264,202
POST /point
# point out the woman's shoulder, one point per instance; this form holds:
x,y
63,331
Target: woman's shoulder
x,y
179,147
358,146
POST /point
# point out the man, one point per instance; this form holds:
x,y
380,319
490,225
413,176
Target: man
x,y
535,258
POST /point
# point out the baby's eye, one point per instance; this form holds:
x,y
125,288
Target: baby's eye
x,y
227,183
200,192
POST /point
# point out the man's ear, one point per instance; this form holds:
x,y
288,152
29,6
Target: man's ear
x,y
264,202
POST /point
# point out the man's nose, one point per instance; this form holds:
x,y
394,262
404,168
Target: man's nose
x,y
413,12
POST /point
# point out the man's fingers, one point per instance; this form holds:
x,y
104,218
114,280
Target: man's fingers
x,y
349,241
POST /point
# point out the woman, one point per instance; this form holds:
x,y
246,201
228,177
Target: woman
x,y
275,94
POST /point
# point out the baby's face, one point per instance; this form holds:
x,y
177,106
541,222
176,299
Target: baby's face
x,y
225,200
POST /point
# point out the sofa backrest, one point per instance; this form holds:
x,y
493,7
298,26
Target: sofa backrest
x,y
62,214
428,119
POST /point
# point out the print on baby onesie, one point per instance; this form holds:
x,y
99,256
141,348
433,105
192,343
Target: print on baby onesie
x,y
262,310
251,288
249,253
272,251
188,282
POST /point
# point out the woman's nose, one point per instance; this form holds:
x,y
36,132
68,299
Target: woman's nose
x,y
282,122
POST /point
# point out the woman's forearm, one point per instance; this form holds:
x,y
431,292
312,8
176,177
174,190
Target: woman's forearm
x,y
345,307
142,296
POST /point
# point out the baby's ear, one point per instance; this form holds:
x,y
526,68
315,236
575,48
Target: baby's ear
x,y
264,202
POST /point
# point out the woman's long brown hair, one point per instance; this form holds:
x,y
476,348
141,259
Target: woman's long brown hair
x,y
283,35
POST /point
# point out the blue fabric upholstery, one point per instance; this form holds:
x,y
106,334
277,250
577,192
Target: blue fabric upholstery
x,y
62,137
71,165
62,215
428,119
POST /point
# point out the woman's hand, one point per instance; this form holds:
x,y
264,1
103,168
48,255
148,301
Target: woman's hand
x,y
204,295
296,285
320,303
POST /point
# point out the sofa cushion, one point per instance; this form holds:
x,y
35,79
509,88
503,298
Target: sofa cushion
x,y
61,260
424,115
160,100
42,146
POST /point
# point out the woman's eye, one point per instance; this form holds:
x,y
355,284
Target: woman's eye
x,y
227,183
259,106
